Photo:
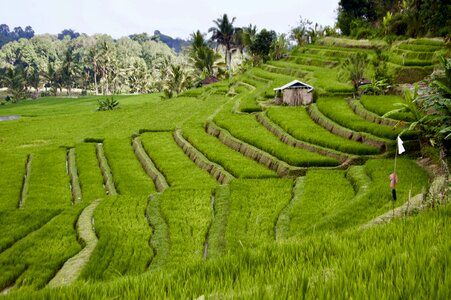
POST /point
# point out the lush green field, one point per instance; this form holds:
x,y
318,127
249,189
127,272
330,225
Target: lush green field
x,y
296,121
339,111
169,229
380,105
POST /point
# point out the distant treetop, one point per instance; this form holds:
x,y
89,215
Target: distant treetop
x,y
17,33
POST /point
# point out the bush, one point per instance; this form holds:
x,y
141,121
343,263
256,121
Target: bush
x,y
107,104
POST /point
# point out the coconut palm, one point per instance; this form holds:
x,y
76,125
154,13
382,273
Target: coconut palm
x,y
203,58
14,80
225,35
178,81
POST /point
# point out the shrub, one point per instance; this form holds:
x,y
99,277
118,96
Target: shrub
x,y
107,104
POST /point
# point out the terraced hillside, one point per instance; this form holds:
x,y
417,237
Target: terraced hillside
x,y
216,193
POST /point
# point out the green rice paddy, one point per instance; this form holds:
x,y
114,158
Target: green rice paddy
x,y
259,236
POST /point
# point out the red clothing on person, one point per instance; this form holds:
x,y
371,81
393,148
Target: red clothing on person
x,y
393,180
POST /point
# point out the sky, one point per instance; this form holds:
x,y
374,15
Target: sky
x,y
176,18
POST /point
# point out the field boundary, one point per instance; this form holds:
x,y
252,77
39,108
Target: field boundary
x,y
25,181
149,167
217,171
292,141
282,227
74,265
106,171
361,111
71,168
280,167
339,130
160,241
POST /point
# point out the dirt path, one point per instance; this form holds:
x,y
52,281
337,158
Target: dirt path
x,y
72,268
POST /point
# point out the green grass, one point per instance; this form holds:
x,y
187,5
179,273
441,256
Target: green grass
x,y
248,103
323,79
324,192
91,181
129,176
296,121
407,258
35,259
17,224
377,199
12,169
170,159
419,47
123,247
254,207
49,183
339,111
383,104
188,214
233,161
247,129
268,238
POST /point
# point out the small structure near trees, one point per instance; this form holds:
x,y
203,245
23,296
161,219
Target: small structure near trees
x,y
209,80
295,93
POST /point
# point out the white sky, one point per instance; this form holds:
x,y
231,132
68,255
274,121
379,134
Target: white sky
x,y
176,18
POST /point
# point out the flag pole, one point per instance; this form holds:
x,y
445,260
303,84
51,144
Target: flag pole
x,y
394,173
396,155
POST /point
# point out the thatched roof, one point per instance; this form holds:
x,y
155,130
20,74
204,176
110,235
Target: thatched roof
x,y
295,84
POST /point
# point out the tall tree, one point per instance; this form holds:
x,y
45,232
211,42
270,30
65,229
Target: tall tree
x,y
224,34
178,81
69,69
14,80
279,47
300,32
202,56
68,32
262,44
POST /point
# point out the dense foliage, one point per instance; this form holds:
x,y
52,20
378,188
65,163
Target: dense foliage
x,y
412,18
7,35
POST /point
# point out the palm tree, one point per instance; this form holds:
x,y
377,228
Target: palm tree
x,y
249,34
354,68
225,34
279,47
203,57
14,80
178,80
68,69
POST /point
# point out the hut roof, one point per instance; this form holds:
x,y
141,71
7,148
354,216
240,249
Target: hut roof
x,y
295,84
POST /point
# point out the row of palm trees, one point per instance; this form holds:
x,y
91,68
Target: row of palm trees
x,y
106,66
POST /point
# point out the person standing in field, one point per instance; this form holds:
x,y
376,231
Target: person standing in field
x,y
393,181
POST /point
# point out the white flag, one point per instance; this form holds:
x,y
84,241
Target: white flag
x,y
400,146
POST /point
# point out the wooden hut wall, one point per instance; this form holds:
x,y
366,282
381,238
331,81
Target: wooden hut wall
x,y
297,97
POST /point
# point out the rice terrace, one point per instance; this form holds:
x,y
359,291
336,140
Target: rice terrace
x,y
245,164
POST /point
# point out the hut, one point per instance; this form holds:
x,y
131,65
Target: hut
x,y
295,93
209,80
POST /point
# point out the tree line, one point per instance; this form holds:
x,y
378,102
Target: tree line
x,y
47,64
98,63
141,63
